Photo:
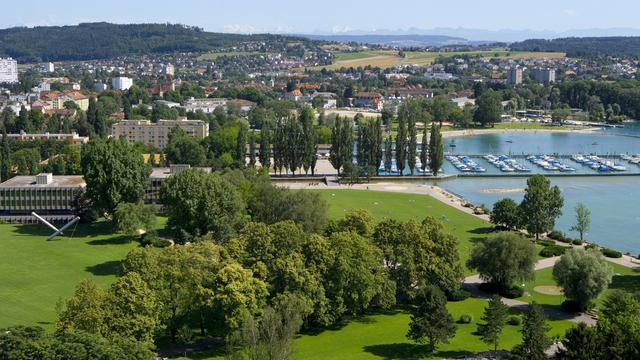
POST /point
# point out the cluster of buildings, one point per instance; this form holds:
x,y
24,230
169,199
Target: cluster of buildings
x,y
539,74
157,134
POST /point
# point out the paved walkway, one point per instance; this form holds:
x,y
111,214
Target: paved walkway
x,y
472,283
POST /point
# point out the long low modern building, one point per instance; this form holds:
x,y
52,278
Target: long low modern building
x,y
52,197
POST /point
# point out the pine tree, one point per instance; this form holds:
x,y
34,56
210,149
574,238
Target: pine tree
x,y
401,139
495,317
534,335
23,123
424,150
252,150
431,322
436,150
265,147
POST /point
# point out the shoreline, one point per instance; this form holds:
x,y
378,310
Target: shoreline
x,y
446,197
471,132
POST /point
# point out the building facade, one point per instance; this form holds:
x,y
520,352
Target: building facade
x,y
8,71
51,197
372,100
122,83
514,76
157,134
544,76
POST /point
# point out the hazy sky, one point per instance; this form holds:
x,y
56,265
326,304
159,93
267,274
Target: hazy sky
x,y
301,16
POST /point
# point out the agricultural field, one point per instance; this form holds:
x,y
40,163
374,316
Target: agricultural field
x,y
390,58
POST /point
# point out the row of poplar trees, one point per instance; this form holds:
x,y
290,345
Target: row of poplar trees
x,y
370,144
290,141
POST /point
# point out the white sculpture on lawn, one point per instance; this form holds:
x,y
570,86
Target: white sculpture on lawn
x,y
55,229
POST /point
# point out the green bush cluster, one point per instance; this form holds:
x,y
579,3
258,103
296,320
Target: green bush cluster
x,y
553,250
610,253
465,319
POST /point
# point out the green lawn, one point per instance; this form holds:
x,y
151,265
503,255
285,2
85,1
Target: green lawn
x,y
383,336
467,228
36,272
624,279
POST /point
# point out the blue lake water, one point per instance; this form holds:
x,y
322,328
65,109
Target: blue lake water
x,y
614,201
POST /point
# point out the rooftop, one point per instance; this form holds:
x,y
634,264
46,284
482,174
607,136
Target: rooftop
x,y
72,181
163,173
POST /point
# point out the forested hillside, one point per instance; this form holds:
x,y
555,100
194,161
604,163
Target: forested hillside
x,y
103,40
587,46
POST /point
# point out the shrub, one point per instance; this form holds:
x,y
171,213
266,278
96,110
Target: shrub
x,y
556,235
465,319
459,295
546,242
514,320
553,250
591,246
566,240
577,242
512,292
611,253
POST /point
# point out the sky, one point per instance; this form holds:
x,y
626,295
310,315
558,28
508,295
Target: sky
x,y
332,16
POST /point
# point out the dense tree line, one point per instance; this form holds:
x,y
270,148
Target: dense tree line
x,y
89,41
584,46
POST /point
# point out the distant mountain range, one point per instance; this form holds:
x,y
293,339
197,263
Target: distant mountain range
x,y
482,35
397,40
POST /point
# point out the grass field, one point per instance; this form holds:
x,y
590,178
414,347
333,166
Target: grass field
x,y
390,58
467,228
624,279
383,336
36,273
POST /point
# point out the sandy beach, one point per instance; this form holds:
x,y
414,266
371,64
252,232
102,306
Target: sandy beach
x,y
470,132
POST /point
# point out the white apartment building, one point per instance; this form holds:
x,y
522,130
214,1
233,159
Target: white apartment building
x,y
8,71
206,105
121,83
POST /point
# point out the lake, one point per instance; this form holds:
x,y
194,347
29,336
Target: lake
x,y
614,201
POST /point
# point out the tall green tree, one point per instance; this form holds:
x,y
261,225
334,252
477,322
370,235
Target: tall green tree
x,y
265,147
581,342
424,150
341,144
252,150
504,259
241,147
583,274
132,218
115,172
184,149
495,318
436,150
506,213
412,145
541,205
430,322
388,154
534,335
401,138
583,220
198,203
489,108
309,139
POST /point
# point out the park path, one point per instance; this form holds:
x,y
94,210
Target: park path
x,y
472,283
